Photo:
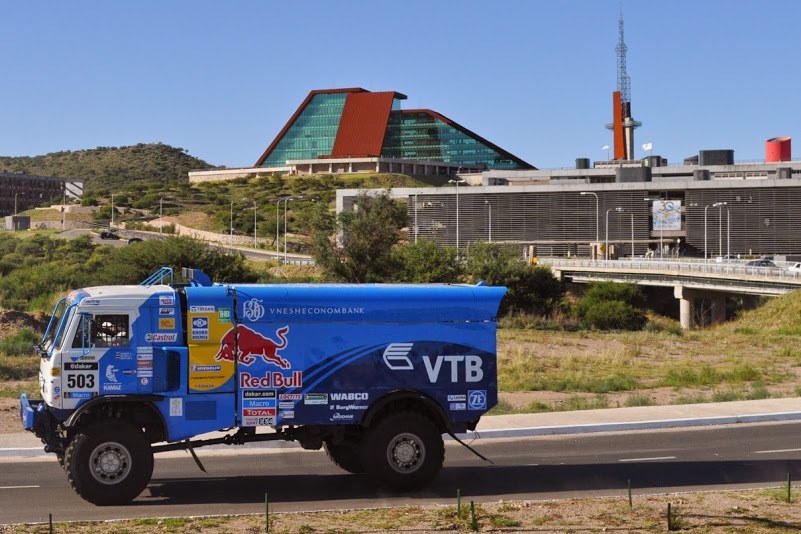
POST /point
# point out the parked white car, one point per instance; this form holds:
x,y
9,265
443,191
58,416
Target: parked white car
x,y
795,268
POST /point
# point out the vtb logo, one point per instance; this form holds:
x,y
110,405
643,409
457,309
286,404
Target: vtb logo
x,y
396,357
252,344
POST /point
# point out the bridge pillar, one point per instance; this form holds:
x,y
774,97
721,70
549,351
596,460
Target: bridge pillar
x,y
686,306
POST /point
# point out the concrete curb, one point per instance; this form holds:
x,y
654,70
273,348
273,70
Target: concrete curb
x,y
629,426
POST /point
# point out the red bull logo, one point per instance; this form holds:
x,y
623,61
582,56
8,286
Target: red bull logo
x,y
252,345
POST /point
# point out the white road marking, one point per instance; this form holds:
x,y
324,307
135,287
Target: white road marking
x,y
647,459
18,487
777,451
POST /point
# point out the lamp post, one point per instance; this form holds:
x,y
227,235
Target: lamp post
x,y
622,210
415,219
720,226
255,238
457,182
489,218
161,215
64,209
705,208
606,227
596,211
231,227
15,204
112,211
286,201
277,227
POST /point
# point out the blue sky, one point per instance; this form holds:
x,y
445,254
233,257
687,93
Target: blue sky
x,y
220,79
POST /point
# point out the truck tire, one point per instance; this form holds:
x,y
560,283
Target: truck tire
x,y
346,456
403,451
109,462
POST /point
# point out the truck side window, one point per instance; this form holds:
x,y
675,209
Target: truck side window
x,y
111,331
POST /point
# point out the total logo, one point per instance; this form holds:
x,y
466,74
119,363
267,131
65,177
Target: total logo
x,y
465,368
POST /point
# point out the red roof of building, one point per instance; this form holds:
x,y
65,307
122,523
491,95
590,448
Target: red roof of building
x,y
363,125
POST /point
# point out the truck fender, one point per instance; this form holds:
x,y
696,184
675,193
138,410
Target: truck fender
x,y
146,400
407,399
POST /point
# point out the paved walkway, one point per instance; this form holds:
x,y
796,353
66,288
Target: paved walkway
x,y
25,444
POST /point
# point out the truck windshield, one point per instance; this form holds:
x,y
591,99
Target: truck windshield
x,y
66,321
55,321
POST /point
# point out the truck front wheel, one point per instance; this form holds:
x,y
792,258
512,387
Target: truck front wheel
x,y
109,462
403,451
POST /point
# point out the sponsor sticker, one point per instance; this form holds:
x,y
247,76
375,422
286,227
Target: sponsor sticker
x,y
206,368
316,398
290,396
348,396
166,300
287,414
224,315
477,399
166,323
457,398
160,338
201,309
90,302
176,407
166,311
458,406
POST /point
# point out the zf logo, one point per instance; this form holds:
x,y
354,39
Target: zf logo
x,y
396,357
477,399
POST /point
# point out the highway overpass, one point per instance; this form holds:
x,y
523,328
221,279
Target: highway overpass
x,y
696,284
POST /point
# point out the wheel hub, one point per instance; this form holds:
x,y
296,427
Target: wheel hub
x,y
406,453
110,463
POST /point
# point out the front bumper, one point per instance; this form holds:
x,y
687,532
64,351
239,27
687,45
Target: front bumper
x,y
30,411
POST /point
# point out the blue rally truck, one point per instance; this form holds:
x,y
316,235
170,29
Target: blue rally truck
x,y
374,374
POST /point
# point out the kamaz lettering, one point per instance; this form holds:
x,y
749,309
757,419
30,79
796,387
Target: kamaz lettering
x,y
390,367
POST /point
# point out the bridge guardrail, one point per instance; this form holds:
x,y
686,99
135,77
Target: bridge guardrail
x,y
729,270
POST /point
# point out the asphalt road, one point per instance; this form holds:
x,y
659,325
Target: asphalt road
x,y
555,467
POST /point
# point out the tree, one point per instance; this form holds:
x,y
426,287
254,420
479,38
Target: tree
x,y
356,246
530,289
425,262
611,306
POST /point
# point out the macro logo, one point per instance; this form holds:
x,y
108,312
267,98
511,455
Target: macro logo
x,y
252,309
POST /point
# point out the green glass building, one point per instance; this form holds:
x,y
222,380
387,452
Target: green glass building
x,y
356,123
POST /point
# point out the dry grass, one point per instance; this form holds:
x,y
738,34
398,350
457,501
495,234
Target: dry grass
x,y
759,511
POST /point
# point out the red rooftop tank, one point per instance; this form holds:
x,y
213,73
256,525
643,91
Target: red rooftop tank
x,y
778,149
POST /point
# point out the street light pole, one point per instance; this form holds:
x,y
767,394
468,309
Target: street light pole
x,y
231,231
112,211
606,226
64,209
161,215
489,218
457,182
596,211
705,208
15,204
720,228
255,239
277,227
415,219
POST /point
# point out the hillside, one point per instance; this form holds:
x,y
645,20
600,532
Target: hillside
x,y
112,167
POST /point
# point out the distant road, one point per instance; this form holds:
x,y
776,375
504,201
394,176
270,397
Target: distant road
x,y
542,468
250,253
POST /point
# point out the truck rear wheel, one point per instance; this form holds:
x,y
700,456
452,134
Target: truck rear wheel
x,y
346,456
109,462
403,451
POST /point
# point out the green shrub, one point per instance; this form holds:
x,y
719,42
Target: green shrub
x,y
20,344
612,315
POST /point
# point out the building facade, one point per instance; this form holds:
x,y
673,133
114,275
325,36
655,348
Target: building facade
x,y
20,191
342,124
